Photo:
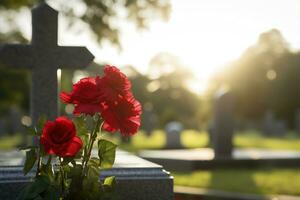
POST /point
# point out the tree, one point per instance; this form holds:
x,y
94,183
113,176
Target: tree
x,y
169,93
99,15
250,77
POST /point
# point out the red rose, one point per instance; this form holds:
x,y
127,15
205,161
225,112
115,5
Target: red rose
x,y
85,96
114,84
59,138
123,115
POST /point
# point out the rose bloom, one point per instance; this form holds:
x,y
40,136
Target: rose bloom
x,y
85,96
114,84
123,115
59,138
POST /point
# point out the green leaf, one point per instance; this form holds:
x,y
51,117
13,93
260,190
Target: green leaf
x,y
94,162
46,170
24,192
51,194
81,127
30,161
31,131
38,198
110,181
35,189
40,125
109,188
93,173
106,153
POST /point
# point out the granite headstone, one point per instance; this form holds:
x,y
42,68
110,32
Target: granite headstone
x,y
173,134
223,124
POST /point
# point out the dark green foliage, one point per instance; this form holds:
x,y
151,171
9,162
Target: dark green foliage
x,y
255,92
41,188
14,85
31,158
106,153
99,14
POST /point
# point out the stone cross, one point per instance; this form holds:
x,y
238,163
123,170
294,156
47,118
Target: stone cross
x,y
44,57
223,124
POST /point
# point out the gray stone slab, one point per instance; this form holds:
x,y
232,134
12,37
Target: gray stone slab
x,y
136,179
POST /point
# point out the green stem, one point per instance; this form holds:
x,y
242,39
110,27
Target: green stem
x,y
38,170
49,160
62,176
91,144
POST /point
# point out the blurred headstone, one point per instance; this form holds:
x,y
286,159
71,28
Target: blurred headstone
x,y
297,120
223,124
268,123
173,132
149,121
14,118
3,130
279,128
273,126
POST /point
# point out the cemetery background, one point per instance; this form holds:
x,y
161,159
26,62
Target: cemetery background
x,y
266,106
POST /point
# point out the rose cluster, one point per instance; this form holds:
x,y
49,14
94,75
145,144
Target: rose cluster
x,y
110,95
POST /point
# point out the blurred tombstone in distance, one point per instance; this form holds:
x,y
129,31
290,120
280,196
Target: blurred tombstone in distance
x,y
223,124
173,132
297,120
279,128
14,117
3,130
149,119
268,123
273,126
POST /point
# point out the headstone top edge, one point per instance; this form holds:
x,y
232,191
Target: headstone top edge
x,y
44,7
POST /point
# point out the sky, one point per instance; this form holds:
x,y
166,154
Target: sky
x,y
204,34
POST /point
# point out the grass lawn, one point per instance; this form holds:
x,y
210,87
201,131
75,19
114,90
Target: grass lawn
x,y
9,142
284,181
189,139
258,181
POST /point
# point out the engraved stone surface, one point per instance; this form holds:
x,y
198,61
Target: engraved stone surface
x,y
136,178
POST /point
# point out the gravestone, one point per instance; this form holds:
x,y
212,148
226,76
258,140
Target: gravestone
x,y
14,118
149,119
173,131
268,123
3,129
223,124
44,57
279,128
273,126
297,120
